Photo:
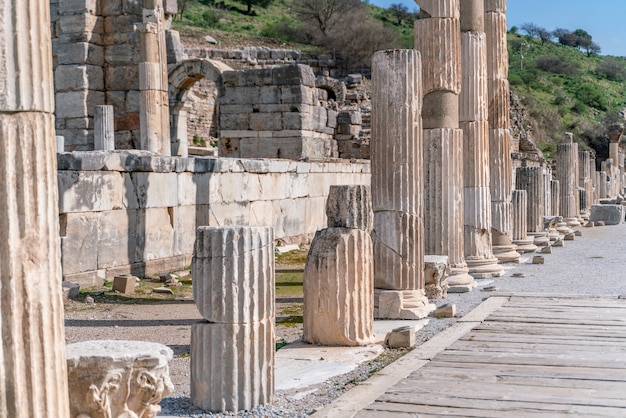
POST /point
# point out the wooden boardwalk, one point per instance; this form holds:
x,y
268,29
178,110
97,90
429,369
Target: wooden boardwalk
x,y
535,355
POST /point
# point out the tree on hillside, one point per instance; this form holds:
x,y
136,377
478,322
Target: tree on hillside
x,y
400,11
565,37
250,3
537,32
324,13
612,69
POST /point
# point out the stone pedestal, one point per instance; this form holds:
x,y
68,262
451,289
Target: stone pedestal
x,y
473,120
520,219
104,131
438,39
113,378
232,355
397,178
567,174
500,140
436,270
33,371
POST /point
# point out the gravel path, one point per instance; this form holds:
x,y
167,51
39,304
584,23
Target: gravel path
x,y
593,264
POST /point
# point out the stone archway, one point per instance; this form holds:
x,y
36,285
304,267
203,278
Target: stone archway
x,y
181,79
335,88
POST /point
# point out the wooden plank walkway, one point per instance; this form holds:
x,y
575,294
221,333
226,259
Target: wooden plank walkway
x,y
536,355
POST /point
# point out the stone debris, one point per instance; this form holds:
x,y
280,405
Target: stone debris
x,y
436,269
558,243
402,337
124,284
165,290
446,311
600,223
570,237
70,290
546,250
89,300
609,214
538,259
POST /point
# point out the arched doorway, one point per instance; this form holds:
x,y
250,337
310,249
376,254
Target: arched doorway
x,y
183,80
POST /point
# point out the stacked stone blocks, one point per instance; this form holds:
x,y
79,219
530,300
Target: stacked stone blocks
x,y
232,354
338,276
275,113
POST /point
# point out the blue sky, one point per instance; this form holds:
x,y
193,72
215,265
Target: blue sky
x,y
604,19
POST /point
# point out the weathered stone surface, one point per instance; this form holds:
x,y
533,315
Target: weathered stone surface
x,y
403,337
497,53
555,196
472,15
531,180
567,174
439,43
446,311
436,270
473,97
608,214
104,133
233,272
440,8
401,304
238,372
350,207
520,222
97,368
538,259
397,184
124,284
339,288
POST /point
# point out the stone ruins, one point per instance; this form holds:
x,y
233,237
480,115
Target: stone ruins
x,y
126,153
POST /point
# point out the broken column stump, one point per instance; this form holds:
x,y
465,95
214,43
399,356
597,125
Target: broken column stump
x,y
338,276
232,353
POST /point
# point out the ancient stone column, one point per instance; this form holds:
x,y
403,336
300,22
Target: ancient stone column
x,y
547,178
604,185
531,179
473,120
438,39
584,179
615,133
338,276
397,181
520,221
567,174
153,83
232,354
500,140
104,132
555,195
33,371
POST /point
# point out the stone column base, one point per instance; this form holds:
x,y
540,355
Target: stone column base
x,y
484,268
401,304
572,222
459,281
506,253
525,245
540,239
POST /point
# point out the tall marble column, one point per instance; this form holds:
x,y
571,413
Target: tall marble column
x,y
531,179
555,195
438,39
500,140
153,83
520,221
397,182
567,174
473,120
584,179
33,369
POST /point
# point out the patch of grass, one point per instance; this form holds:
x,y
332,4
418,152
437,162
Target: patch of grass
x,y
289,284
280,344
292,258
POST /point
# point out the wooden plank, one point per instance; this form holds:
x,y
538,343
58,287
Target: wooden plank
x,y
536,347
586,321
547,329
475,402
415,388
570,359
544,339
516,377
485,309
399,410
575,372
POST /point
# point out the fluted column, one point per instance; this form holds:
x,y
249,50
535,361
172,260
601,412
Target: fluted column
x,y
438,39
520,222
153,83
567,174
531,179
233,271
584,180
33,370
397,176
104,133
473,120
547,178
555,195
500,140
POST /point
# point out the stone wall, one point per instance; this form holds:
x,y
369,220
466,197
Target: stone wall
x,y
96,62
127,211
275,113
201,109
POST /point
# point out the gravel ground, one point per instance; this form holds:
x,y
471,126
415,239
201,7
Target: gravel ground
x,y
593,264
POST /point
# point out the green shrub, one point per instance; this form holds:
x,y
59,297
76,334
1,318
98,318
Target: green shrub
x,y
591,96
515,79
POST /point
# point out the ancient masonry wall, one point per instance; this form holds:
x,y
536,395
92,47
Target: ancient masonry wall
x,y
96,62
130,212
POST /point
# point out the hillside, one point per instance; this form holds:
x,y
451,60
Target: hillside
x,y
563,89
